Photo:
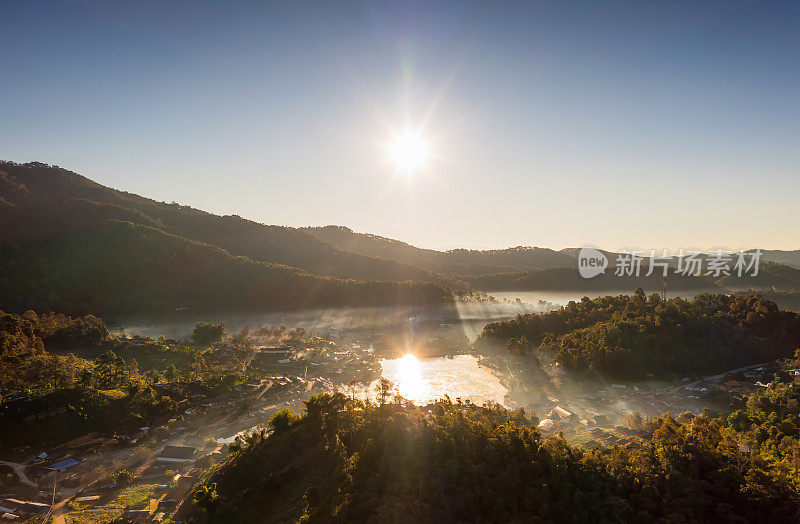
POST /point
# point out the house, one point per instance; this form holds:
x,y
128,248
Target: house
x,y
273,350
172,500
23,507
177,454
546,424
137,515
559,413
64,464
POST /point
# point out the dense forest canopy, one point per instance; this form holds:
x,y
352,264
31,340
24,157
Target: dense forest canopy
x,y
100,381
638,335
347,460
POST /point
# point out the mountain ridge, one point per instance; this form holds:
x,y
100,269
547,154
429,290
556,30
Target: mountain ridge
x,y
46,209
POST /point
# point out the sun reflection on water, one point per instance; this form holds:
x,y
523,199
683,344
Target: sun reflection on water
x,y
408,375
426,380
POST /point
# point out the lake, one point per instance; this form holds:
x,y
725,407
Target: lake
x,y
428,379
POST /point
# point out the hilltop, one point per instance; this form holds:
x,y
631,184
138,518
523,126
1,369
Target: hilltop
x,y
458,262
635,336
350,461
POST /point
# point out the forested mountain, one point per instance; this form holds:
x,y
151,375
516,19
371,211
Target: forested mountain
x,y
54,195
770,276
350,461
788,258
122,267
634,336
72,245
454,262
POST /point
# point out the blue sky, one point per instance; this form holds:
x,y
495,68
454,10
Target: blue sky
x,y
621,124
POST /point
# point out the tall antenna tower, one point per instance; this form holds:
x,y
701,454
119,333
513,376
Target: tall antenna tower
x,y
664,292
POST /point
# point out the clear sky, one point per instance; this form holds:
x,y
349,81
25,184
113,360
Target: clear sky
x,y
621,124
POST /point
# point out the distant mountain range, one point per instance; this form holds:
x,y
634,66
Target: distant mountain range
x,y
456,262
74,245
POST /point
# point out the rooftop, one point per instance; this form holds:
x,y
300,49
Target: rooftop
x,y
178,452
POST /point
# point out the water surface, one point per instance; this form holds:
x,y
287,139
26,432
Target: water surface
x,y
429,379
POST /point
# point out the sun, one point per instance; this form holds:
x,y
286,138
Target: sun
x,y
409,152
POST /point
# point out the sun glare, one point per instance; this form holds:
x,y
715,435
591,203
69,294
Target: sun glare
x,y
409,377
409,152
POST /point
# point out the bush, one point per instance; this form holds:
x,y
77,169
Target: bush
x,y
208,332
282,420
124,477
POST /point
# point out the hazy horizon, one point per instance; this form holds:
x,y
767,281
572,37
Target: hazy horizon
x,y
618,125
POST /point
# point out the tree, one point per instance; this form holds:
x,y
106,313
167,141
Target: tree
x,y
385,387
207,498
518,346
110,369
353,386
171,373
282,420
208,332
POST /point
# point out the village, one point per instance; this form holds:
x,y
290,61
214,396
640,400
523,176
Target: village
x,y
144,474
610,415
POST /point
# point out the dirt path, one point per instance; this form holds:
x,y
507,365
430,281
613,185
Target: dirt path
x,y
19,469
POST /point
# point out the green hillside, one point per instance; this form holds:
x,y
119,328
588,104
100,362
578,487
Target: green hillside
x,y
39,189
635,336
121,267
350,461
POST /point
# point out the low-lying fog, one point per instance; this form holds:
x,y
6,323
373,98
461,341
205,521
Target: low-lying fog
x,y
426,353
473,315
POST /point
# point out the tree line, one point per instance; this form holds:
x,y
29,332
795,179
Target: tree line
x,y
636,335
350,460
